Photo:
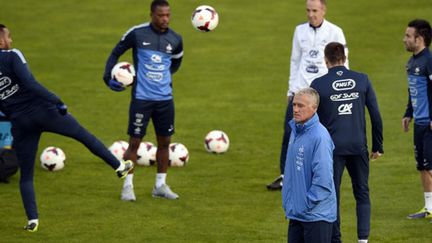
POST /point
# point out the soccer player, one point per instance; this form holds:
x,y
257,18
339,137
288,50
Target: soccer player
x,y
307,63
344,94
32,109
419,69
308,192
157,54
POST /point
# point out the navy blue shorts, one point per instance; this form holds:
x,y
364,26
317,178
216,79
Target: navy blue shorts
x,y
161,113
422,147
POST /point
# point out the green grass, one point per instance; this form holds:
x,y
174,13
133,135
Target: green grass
x,y
234,79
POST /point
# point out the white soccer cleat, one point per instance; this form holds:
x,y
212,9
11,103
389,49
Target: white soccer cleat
x,y
128,194
164,192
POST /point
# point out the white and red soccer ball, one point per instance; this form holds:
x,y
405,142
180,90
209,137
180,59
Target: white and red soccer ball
x,y
146,154
216,142
52,159
124,73
178,155
118,148
205,18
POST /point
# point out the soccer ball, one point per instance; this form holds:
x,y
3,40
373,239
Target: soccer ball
x,y
205,18
118,148
216,142
178,155
52,159
146,154
123,72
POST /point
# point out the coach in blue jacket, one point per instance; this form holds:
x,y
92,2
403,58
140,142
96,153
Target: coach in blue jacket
x,y
308,192
344,94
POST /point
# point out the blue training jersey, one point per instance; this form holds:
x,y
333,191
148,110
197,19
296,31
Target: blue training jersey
x,y
344,94
419,71
19,91
156,56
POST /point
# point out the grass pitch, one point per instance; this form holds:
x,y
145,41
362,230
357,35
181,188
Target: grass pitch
x,y
233,79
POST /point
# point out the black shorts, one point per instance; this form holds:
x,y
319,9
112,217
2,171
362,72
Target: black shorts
x,y
161,113
422,146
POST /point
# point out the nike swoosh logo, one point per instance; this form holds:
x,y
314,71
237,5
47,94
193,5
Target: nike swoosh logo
x,y
146,43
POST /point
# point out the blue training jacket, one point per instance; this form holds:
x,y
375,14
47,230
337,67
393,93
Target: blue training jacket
x,y
308,192
156,56
344,95
20,93
419,70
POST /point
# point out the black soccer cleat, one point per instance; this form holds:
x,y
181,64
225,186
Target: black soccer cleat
x,y
276,184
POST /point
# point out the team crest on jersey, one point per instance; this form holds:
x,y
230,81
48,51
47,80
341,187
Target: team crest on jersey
x,y
169,48
416,71
339,73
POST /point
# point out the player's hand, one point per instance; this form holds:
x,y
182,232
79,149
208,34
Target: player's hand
x,y
62,109
115,85
405,123
375,155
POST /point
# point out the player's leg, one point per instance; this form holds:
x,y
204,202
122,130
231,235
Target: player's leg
x,y
419,141
277,183
131,154
25,142
358,169
139,117
338,169
426,174
163,121
295,231
51,121
317,232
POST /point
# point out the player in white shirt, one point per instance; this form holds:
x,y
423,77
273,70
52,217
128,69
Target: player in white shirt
x,y
307,63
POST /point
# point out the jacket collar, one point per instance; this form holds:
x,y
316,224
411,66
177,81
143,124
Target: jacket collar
x,y
300,128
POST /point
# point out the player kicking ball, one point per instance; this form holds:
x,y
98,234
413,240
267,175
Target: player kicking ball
x,y
32,109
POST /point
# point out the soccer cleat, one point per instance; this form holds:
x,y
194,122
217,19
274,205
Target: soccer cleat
x,y
127,166
128,194
276,184
164,192
31,227
423,213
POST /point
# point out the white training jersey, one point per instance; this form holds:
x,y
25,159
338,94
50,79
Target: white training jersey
x,y
307,53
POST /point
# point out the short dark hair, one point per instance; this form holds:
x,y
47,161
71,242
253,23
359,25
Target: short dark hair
x,y
335,52
423,29
2,27
158,3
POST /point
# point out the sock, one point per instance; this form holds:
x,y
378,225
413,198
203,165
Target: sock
x,y
428,201
362,241
128,180
160,179
33,221
121,166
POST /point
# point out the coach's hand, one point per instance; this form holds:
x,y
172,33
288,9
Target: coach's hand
x,y
375,155
115,85
62,109
405,123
